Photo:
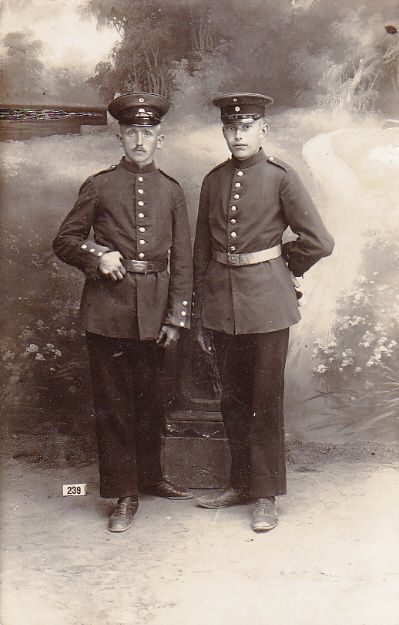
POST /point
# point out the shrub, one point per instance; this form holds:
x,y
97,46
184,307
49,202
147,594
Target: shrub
x,y
358,367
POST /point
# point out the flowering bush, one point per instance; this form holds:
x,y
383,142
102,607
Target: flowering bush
x,y
44,381
358,367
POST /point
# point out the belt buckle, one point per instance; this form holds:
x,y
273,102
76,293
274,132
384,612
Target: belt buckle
x,y
140,266
233,259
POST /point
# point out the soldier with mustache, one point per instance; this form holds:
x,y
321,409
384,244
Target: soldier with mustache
x,y
136,299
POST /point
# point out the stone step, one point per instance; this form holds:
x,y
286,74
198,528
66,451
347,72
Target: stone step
x,y
197,462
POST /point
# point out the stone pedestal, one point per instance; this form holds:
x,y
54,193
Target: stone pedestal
x,y
195,449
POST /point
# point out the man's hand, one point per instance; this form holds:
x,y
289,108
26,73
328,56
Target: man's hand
x,y
110,266
204,338
297,287
168,335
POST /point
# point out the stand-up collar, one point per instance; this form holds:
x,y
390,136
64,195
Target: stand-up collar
x,y
135,169
253,160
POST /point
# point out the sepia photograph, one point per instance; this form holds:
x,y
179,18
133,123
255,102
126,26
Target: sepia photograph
x,y
199,226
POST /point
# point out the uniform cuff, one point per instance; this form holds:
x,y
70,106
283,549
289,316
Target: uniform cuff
x,y
93,253
179,315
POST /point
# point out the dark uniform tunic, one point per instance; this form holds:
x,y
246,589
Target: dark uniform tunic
x,y
142,214
245,206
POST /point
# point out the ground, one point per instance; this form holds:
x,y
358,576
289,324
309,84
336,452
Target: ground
x,y
332,560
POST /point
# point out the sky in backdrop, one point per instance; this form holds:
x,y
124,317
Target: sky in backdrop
x,y
67,38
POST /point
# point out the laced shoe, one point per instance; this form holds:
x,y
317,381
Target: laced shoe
x,y
121,518
229,497
264,516
163,488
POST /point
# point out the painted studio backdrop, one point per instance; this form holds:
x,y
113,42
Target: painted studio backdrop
x,y
333,71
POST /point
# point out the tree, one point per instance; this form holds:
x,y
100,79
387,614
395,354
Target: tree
x,y
24,81
154,37
390,55
300,52
21,68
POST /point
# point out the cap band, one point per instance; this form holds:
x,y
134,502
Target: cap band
x,y
142,116
244,118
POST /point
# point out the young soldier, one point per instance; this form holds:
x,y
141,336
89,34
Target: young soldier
x,y
132,306
244,294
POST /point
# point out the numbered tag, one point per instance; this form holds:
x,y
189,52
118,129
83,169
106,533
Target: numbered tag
x,y
74,489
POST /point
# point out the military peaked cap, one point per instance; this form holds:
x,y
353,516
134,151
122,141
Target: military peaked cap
x,y
242,107
139,109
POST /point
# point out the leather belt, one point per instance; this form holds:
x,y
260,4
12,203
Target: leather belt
x,y
144,266
251,258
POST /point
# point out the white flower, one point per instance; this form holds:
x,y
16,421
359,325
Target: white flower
x,y
49,346
367,339
320,369
32,348
356,320
39,357
347,362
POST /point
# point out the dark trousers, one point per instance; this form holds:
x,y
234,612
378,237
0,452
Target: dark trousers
x,y
252,371
125,377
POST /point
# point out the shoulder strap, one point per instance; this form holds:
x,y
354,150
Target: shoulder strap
x,y
276,161
218,166
168,177
91,178
104,171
